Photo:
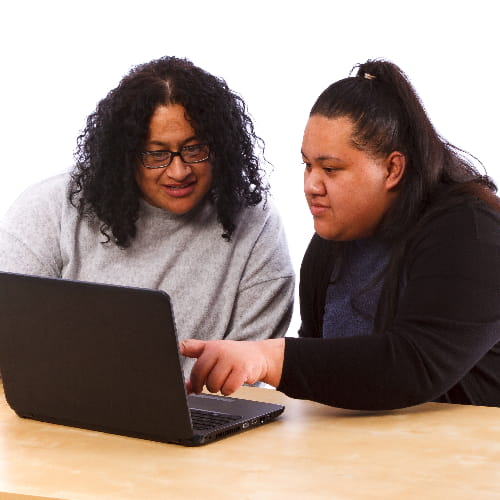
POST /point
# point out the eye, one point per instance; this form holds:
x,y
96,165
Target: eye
x,y
158,154
307,165
154,159
195,153
192,149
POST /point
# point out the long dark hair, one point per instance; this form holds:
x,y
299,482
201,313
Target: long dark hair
x,y
388,116
108,150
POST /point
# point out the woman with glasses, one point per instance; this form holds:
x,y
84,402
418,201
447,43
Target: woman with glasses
x,y
400,286
168,193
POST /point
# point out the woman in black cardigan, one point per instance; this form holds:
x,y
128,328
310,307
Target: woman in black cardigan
x,y
400,285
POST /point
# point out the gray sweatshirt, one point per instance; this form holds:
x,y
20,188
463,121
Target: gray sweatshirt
x,y
242,289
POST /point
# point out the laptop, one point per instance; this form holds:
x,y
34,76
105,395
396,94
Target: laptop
x,y
105,358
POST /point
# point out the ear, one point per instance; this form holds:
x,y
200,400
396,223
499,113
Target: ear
x,y
395,164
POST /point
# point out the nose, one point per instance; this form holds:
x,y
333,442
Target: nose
x,y
178,170
313,183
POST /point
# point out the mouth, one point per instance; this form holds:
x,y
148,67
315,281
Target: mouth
x,y
317,209
179,190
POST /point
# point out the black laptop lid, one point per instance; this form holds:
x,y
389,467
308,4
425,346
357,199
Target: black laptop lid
x,y
50,336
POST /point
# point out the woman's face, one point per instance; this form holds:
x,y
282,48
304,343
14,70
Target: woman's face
x,y
348,191
179,187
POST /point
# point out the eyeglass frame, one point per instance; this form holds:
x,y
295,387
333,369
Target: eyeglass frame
x,y
173,155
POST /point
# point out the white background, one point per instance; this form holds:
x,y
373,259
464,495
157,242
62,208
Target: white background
x,y
60,58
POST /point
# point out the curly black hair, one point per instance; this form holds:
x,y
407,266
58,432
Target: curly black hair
x,y
108,150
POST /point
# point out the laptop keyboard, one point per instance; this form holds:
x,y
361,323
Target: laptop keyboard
x,y
203,420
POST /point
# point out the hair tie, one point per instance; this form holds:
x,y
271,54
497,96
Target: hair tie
x,y
369,77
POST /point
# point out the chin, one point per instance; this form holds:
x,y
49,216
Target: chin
x,y
178,210
178,207
327,236
324,232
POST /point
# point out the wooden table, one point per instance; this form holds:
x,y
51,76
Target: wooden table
x,y
312,452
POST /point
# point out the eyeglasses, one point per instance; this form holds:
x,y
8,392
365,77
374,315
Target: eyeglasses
x,y
188,154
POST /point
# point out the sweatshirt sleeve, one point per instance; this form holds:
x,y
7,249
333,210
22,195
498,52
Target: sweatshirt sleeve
x,y
30,231
447,323
263,306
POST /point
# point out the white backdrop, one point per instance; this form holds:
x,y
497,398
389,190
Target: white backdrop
x,y
60,58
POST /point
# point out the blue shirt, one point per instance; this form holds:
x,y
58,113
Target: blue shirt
x,y
351,301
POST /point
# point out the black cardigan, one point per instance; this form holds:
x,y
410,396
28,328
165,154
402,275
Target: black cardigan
x,y
443,344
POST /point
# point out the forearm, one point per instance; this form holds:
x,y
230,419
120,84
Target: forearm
x,y
418,361
365,373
